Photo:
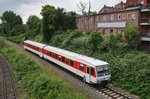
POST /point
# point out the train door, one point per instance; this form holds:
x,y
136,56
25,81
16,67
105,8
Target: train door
x,y
88,74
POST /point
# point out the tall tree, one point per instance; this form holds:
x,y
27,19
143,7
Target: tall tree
x,y
70,20
82,6
9,21
56,19
33,26
48,21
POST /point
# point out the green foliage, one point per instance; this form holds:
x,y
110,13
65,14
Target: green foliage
x,y
17,30
132,36
95,39
48,21
11,23
110,43
56,19
17,39
33,27
35,80
72,34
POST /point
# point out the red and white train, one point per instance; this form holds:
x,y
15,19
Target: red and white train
x,y
91,70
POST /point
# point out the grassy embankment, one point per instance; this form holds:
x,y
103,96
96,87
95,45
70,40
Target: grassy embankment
x,y
35,80
130,68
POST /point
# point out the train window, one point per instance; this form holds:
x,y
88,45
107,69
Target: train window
x,y
53,55
81,66
47,52
88,70
92,71
50,53
59,58
63,59
67,61
71,63
56,56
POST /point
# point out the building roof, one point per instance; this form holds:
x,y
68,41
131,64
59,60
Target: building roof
x,y
107,9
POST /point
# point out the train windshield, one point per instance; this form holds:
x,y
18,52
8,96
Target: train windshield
x,y
102,71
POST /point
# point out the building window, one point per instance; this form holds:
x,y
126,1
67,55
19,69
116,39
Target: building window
x,y
128,15
119,16
124,16
81,66
104,18
133,15
112,17
103,32
111,31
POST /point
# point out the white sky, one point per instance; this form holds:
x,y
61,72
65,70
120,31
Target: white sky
x,y
25,8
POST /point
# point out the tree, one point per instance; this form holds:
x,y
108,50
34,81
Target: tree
x,y
70,21
9,21
33,26
56,19
17,30
95,39
132,36
82,7
48,21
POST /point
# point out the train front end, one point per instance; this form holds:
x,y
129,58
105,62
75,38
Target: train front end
x,y
103,74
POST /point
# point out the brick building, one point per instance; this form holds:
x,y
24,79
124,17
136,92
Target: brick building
x,y
115,19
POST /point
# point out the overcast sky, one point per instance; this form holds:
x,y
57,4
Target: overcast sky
x,y
25,8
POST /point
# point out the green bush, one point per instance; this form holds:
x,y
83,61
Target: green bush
x,y
94,41
132,36
17,39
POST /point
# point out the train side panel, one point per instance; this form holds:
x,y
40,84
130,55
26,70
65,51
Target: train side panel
x,y
72,69
34,51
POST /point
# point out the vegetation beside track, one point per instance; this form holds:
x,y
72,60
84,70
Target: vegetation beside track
x,y
35,80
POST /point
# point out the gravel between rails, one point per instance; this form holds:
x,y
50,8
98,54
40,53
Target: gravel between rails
x,y
90,91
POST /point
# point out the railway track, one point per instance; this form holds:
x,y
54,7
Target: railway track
x,y
7,82
95,92
112,93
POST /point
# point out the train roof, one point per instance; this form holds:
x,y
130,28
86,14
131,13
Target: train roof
x,y
35,43
82,58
